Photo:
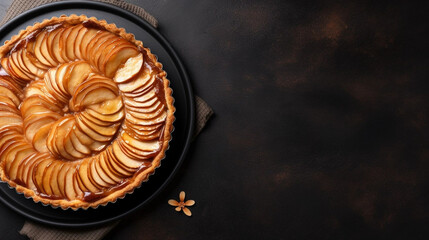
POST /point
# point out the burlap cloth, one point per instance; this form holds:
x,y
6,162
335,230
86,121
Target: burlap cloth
x,y
43,232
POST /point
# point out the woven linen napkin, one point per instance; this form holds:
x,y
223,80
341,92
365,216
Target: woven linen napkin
x,y
203,113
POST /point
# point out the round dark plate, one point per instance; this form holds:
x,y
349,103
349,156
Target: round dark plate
x,y
184,103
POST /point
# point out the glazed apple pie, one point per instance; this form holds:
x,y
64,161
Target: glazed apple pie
x,y
86,112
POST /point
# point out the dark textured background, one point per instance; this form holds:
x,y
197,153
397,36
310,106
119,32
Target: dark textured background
x,y
321,125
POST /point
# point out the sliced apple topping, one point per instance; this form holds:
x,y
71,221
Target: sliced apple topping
x,y
35,122
12,85
70,42
84,178
39,139
45,51
130,69
52,86
84,127
54,42
106,167
117,58
8,119
53,178
86,38
79,72
70,190
95,46
138,84
80,112
5,92
96,177
55,140
38,173
95,90
78,41
19,68
114,163
37,49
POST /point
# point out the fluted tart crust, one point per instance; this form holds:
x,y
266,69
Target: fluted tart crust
x,y
86,112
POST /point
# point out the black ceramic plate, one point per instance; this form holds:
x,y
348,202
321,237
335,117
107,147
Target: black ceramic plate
x,y
184,103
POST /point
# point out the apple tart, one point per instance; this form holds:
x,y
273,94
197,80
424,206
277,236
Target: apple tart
x,y
86,112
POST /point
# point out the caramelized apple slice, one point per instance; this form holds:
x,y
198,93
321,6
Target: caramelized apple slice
x,y
141,122
70,43
83,176
141,83
119,57
11,95
35,122
79,188
25,152
12,85
108,46
78,41
160,112
92,44
23,165
39,139
94,176
69,148
19,59
130,69
45,51
37,48
89,132
53,179
30,172
62,130
54,43
7,134
79,72
93,91
105,163
10,119
95,48
102,130
14,155
19,66
147,146
100,171
77,144
124,159
148,96
10,66
62,45
102,45
141,148
86,38
52,86
89,118
37,174
108,107
69,183
40,102
116,166
112,170
98,95
113,118
46,177
61,79
61,179
54,141
143,135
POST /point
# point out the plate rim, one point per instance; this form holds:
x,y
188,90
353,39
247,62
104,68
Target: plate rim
x,y
10,26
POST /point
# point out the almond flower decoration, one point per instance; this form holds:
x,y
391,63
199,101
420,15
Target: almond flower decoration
x,y
182,205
